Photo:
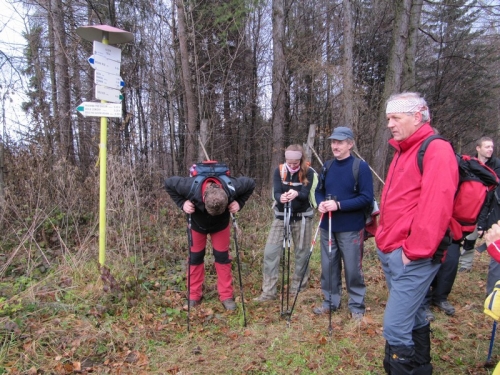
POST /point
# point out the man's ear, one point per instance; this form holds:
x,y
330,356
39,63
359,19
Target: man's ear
x,y
418,117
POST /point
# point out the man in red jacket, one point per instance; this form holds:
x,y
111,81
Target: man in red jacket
x,y
415,213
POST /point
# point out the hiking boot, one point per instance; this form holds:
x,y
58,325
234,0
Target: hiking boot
x,y
445,306
323,309
194,303
429,316
464,269
357,316
229,304
265,298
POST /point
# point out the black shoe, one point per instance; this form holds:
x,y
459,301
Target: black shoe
x,y
464,269
445,306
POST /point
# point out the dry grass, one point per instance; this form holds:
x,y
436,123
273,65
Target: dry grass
x,y
61,321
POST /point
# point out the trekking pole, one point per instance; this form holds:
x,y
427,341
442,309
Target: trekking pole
x,y
313,242
235,226
286,209
190,243
330,264
492,340
288,236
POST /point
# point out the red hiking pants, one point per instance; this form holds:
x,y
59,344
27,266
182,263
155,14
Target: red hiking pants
x,y
220,244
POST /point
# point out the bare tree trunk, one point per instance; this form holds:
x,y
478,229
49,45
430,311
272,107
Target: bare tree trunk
x,y
409,67
2,166
278,85
348,62
393,81
190,104
252,145
62,115
52,69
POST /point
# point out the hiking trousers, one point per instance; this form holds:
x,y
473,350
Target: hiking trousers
x,y
493,276
443,281
467,257
407,285
347,247
301,236
220,244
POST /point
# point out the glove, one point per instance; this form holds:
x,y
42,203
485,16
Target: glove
x,y
469,244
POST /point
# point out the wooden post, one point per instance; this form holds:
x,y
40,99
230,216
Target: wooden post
x,y
310,142
203,140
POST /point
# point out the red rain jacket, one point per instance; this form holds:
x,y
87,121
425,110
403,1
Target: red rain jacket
x,y
416,208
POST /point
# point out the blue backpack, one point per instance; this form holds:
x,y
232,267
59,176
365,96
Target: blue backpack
x,y
213,169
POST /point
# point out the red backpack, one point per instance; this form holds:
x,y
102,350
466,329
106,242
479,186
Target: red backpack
x,y
475,181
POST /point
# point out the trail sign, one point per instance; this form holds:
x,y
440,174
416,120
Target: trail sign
x,y
94,109
108,80
108,94
107,51
101,63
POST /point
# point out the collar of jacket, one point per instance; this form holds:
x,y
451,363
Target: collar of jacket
x,y
416,138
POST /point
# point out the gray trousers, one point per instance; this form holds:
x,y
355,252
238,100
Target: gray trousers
x,y
467,256
466,259
493,276
301,236
408,285
346,247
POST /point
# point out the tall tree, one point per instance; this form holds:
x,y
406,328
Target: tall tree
x,y
457,72
409,82
279,84
62,87
347,68
393,78
190,100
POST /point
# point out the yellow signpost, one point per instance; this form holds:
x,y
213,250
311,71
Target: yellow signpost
x,y
106,35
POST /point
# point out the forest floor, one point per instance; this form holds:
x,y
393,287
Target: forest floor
x,y
133,319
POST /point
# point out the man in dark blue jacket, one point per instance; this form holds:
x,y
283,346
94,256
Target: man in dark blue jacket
x,y
343,201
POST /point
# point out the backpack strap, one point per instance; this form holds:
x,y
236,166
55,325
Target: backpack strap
x,y
284,173
195,186
423,148
355,172
324,171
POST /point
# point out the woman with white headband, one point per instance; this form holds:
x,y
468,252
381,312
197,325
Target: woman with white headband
x,y
292,183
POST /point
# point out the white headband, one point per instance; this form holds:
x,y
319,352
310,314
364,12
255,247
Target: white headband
x,y
293,155
408,106
404,106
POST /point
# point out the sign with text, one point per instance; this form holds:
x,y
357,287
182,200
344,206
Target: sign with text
x,y
108,80
94,109
108,94
107,51
103,64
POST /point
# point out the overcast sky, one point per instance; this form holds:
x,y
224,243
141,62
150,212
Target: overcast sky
x,y
12,118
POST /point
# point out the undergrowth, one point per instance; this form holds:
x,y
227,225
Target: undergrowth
x,y
60,313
